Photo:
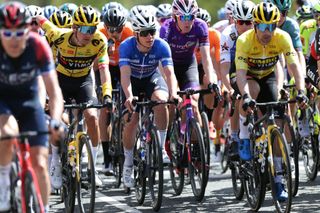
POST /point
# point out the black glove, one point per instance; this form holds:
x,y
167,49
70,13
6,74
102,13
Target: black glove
x,y
216,89
248,102
107,101
301,97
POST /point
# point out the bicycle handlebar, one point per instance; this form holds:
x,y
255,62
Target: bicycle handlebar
x,y
85,106
23,135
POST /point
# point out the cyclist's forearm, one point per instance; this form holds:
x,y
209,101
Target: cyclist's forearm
x,y
302,61
224,69
126,81
298,75
242,82
171,80
207,65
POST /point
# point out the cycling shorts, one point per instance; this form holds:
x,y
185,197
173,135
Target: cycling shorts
x,y
187,74
30,117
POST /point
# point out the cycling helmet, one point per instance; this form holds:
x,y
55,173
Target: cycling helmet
x,y
243,10
266,12
86,15
14,15
69,8
229,6
61,19
49,10
283,5
204,15
184,7
142,19
316,8
164,11
35,10
110,5
114,18
221,14
304,12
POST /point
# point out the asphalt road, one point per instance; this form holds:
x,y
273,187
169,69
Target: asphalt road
x,y
218,197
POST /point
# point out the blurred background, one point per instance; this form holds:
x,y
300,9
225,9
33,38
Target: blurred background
x,y
211,5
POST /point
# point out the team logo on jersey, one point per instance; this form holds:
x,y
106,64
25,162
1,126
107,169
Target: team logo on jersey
x,y
233,36
291,53
59,41
95,42
262,64
224,47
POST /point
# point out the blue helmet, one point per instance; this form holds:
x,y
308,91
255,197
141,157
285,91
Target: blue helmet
x,y
48,10
221,14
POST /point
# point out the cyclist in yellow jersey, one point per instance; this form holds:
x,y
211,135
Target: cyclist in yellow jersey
x,y
257,53
77,49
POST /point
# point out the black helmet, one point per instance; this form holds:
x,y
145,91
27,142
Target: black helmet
x,y
114,17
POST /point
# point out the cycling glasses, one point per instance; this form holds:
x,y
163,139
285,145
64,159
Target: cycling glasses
x,y
244,22
115,29
263,27
87,29
8,34
186,17
145,33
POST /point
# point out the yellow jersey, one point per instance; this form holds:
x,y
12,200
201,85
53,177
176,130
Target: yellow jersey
x,y
260,60
75,61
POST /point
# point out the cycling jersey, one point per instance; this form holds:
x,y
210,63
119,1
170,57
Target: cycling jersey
x,y
127,32
75,61
260,60
307,32
214,39
292,27
144,64
19,75
183,45
228,44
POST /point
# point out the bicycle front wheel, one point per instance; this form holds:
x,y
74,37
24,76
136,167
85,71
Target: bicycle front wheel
x,y
310,154
280,172
206,141
197,162
117,151
86,186
32,196
155,174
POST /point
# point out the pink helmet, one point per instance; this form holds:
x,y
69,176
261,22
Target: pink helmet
x,y
184,7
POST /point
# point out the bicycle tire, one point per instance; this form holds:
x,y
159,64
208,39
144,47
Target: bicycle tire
x,y
286,171
68,192
237,184
117,158
87,176
197,164
15,185
206,141
139,171
155,174
294,152
224,163
310,151
177,152
33,201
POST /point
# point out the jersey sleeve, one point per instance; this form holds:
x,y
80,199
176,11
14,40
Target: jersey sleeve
x,y
103,57
241,54
287,48
165,52
44,55
124,53
214,36
203,34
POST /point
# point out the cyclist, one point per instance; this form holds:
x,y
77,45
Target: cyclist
x,y
139,59
111,5
164,12
183,33
304,13
243,21
77,49
69,8
34,12
257,53
116,29
24,55
228,10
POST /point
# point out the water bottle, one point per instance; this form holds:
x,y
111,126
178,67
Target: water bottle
x,y
72,155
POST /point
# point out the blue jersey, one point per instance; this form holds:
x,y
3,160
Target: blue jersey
x,y
144,64
292,27
18,76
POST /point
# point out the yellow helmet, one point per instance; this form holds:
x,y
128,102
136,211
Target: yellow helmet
x,y
61,19
266,12
86,16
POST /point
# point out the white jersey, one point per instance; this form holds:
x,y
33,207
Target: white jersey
x,y
228,44
221,25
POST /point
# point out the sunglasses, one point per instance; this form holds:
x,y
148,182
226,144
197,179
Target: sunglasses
x,y
87,29
244,22
8,34
187,17
263,27
115,29
145,33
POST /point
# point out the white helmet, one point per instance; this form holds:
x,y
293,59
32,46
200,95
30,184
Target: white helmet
x,y
243,10
142,18
164,11
35,10
184,7
204,15
229,6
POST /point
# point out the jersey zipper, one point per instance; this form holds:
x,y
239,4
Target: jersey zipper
x,y
144,57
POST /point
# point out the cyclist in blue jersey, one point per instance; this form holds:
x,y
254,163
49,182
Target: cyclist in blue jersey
x,y
24,55
139,60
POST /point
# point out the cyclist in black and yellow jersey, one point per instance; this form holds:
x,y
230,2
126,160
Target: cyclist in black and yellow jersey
x,y
77,48
257,53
